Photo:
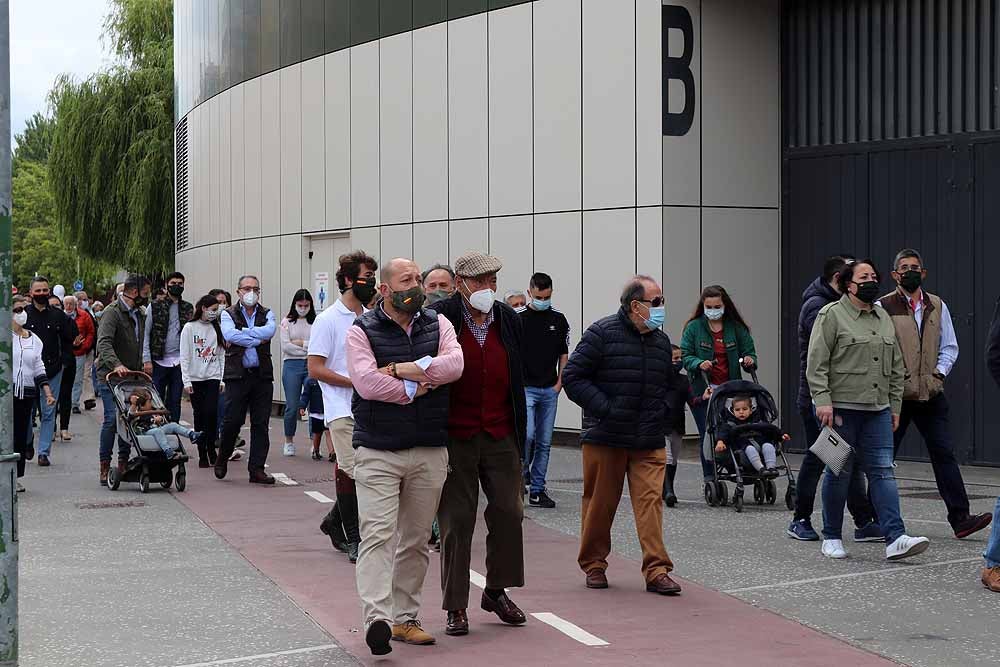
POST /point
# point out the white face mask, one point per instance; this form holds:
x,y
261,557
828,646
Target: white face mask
x,y
249,299
21,318
302,311
211,315
482,300
715,314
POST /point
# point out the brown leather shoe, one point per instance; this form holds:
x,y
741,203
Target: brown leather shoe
x,y
122,465
458,623
972,524
411,633
596,578
504,608
261,477
663,585
991,578
105,467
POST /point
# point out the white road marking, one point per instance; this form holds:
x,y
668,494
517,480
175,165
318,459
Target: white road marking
x,y
477,579
569,629
262,656
284,479
854,575
319,497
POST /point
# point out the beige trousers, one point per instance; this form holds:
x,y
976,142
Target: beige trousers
x,y
342,435
398,494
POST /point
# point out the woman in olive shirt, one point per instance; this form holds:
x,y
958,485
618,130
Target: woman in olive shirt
x,y
855,374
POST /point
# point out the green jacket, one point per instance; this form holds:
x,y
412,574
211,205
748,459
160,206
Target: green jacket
x,y
117,343
854,357
697,346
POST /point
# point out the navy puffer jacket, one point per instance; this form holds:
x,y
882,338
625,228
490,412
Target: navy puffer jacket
x,y
818,294
621,379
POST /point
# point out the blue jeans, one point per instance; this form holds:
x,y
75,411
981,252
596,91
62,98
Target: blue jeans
x,y
992,551
47,423
108,429
169,383
870,433
293,376
541,402
160,433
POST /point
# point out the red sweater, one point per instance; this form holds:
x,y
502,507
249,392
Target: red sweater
x,y
480,400
85,325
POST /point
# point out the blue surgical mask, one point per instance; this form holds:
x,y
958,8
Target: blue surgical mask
x,y
541,304
715,314
657,315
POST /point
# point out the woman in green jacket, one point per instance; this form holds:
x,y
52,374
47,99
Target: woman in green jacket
x,y
716,342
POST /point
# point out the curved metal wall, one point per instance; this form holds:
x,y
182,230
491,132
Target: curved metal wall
x,y
221,43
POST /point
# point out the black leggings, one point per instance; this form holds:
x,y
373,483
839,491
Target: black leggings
x,y
66,394
205,406
22,429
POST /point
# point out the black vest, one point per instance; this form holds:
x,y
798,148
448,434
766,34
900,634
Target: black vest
x,y
234,353
422,423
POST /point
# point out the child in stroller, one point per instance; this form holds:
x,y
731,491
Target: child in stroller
x,y
739,413
147,420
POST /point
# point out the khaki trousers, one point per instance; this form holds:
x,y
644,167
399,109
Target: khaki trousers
x,y
342,436
604,472
398,494
496,465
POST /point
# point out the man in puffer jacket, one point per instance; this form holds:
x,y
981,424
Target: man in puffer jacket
x,y
620,374
820,292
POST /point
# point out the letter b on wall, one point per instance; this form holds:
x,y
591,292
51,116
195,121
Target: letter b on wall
x,y
679,69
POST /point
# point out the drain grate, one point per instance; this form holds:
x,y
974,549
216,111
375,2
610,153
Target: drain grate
x,y
315,480
568,480
110,505
931,493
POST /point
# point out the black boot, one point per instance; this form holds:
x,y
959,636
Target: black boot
x,y
333,527
668,485
347,499
203,461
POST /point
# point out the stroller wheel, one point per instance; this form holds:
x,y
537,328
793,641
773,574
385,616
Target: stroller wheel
x,y
168,482
710,496
738,501
180,480
722,493
144,483
791,498
114,480
770,492
758,491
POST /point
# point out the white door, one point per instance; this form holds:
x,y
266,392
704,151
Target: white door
x,y
321,257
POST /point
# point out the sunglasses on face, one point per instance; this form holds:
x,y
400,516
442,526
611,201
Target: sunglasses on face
x,y
655,302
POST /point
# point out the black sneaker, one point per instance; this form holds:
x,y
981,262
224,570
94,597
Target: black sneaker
x,y
541,500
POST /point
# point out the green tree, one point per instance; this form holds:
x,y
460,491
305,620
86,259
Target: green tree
x,y
35,142
111,164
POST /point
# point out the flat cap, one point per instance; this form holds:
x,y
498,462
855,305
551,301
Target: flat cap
x,y
473,264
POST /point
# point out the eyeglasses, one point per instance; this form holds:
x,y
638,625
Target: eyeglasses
x,y
904,268
655,302
255,290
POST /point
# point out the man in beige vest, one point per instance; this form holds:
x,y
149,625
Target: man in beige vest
x,y
927,338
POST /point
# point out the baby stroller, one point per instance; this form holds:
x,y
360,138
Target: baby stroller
x,y
148,463
758,429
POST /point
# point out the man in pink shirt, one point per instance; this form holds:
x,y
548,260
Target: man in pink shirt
x,y
400,358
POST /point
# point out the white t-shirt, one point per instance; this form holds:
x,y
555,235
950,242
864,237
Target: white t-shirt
x,y
328,339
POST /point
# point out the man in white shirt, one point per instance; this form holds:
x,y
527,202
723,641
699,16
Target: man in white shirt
x,y
926,336
327,363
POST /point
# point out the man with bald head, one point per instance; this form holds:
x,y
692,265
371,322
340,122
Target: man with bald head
x,y
400,359
621,374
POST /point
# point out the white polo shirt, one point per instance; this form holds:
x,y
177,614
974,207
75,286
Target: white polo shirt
x,y
328,339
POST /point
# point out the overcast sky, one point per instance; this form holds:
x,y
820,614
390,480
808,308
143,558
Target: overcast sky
x,y
48,38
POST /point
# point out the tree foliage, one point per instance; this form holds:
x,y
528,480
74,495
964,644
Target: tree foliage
x,y
111,164
35,142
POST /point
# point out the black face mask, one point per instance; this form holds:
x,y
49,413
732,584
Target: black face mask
x,y
910,281
678,366
175,290
867,291
140,301
364,289
41,299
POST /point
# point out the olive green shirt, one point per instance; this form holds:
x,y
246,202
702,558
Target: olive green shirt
x,y
854,360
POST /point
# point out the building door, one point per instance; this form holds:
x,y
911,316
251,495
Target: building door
x,y
321,257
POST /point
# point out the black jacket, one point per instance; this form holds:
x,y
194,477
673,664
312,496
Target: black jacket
x,y
622,379
57,332
818,294
993,346
511,335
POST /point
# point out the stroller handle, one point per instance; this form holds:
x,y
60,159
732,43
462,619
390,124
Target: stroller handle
x,y
134,374
752,371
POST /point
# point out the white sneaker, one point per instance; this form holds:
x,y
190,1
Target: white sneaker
x,y
237,455
289,449
906,546
834,549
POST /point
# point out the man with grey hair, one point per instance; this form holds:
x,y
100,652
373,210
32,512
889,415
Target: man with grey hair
x,y
621,374
248,328
927,339
438,282
516,299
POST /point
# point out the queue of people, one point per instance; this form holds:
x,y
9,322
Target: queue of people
x,y
431,389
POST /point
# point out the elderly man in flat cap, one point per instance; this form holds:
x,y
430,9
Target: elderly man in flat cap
x,y
486,430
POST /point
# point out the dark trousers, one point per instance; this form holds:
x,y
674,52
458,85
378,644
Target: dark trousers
x,y
931,419
496,464
169,384
22,430
252,394
205,406
65,397
858,503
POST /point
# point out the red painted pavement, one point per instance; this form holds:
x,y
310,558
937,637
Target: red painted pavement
x,y
276,529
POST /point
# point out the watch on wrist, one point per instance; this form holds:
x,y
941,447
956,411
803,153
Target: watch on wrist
x,y
392,369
